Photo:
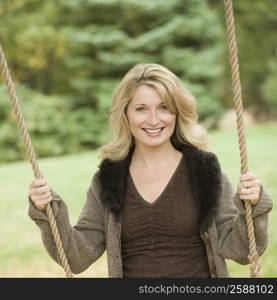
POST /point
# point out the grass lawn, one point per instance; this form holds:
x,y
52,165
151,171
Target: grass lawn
x,y
21,250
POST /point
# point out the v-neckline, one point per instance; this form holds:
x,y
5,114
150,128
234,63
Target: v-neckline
x,y
163,191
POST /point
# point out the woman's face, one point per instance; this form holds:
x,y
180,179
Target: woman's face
x,y
150,121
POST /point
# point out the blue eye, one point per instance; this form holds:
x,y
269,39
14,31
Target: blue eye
x,y
164,107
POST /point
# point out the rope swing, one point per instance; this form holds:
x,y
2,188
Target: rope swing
x,y
233,53
32,158
253,257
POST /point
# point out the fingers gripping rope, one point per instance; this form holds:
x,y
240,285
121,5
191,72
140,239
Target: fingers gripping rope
x,y
32,158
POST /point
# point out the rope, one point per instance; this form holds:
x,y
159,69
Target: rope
x,y
32,158
233,54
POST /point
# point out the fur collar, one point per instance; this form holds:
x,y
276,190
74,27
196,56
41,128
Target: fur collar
x,y
205,177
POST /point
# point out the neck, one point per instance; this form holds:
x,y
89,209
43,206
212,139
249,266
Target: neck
x,y
150,157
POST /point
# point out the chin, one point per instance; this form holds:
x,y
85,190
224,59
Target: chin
x,y
154,143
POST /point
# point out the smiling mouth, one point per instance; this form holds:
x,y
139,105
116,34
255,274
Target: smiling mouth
x,y
157,130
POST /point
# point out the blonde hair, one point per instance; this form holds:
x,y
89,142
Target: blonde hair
x,y
176,96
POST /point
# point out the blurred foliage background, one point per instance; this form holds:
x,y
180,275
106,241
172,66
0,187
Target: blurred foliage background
x,y
67,56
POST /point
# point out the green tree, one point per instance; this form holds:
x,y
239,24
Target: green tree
x,y
256,24
68,56
108,37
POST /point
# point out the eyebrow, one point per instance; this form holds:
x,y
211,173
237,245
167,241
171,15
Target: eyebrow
x,y
143,104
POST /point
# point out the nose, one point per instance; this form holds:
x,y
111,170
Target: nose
x,y
153,118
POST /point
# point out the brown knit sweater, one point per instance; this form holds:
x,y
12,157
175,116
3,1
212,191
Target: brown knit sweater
x,y
98,230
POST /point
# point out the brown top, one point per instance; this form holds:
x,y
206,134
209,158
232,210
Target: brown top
x,y
162,239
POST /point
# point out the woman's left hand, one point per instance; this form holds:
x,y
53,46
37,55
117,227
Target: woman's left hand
x,y
249,187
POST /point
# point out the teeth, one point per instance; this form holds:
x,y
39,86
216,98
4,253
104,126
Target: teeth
x,y
153,130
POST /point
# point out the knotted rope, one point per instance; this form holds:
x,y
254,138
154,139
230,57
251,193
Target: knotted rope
x,y
233,54
32,158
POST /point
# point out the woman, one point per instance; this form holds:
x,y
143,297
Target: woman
x,y
159,203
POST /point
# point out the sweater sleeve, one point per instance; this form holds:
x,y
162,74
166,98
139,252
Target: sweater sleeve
x,y
231,224
83,243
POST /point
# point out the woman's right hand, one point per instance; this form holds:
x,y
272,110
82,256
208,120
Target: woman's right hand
x,y
40,193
